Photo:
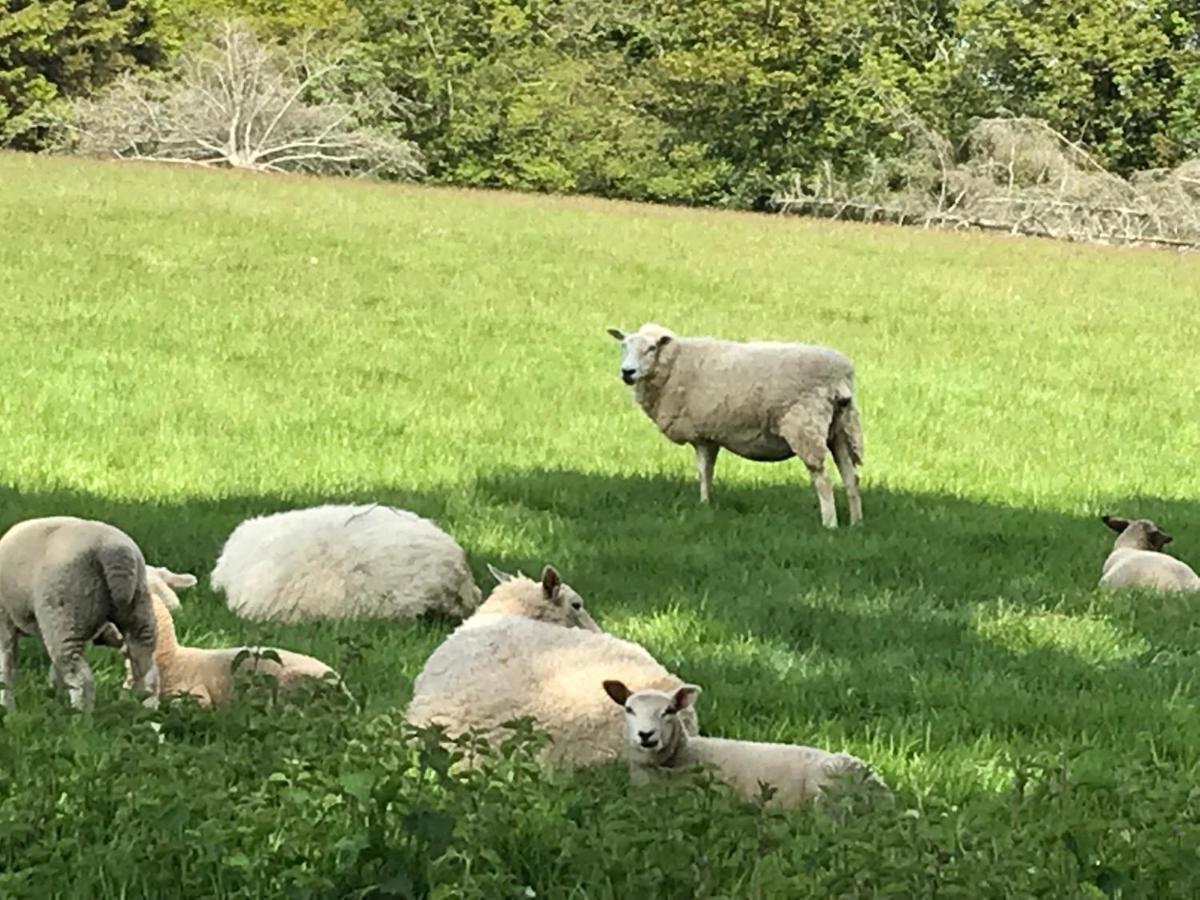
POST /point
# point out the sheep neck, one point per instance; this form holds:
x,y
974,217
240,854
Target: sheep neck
x,y
166,645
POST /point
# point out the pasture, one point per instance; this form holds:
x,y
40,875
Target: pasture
x,y
183,349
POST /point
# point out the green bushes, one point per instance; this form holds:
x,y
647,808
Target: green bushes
x,y
714,102
312,801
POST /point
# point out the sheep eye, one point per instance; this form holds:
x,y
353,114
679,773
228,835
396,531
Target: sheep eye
x,y
628,710
577,605
670,712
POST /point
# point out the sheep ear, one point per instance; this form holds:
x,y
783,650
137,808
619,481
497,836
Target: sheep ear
x,y
550,582
178,580
616,333
618,692
1117,525
500,577
663,341
685,697
1160,538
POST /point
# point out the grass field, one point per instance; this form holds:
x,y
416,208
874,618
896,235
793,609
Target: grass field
x,y
181,350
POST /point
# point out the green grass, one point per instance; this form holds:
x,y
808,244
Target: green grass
x,y
181,350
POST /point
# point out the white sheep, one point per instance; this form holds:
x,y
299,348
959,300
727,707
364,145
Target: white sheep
x,y
207,675
763,401
1136,560
68,581
655,744
532,650
343,562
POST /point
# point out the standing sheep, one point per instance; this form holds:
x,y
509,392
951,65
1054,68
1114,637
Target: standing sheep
x,y
207,675
655,743
1136,560
69,581
763,401
343,562
532,650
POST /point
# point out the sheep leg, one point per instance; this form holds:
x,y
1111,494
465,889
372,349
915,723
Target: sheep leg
x,y
143,672
805,427
706,460
824,489
75,674
8,663
845,464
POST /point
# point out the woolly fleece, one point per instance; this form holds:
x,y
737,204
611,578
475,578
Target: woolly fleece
x,y
1136,560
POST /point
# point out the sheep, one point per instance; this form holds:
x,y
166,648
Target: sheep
x,y
207,675
532,650
765,402
342,562
655,743
69,581
1136,561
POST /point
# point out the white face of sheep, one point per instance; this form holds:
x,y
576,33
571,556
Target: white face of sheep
x,y
652,726
639,353
162,583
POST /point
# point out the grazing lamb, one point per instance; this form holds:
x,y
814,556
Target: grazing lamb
x,y
654,742
763,401
532,650
343,562
1136,560
207,675
70,581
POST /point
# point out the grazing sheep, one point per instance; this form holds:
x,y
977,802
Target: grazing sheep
x,y
207,675
343,562
1136,560
532,650
654,742
68,580
763,401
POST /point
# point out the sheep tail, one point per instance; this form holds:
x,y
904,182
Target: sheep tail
x,y
848,426
124,573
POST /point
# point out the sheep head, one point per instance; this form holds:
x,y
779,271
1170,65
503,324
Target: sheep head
x,y
640,351
653,730
1140,534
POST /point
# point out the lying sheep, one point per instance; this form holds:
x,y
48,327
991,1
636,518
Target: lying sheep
x,y
763,401
655,742
70,581
343,562
532,650
1136,560
207,675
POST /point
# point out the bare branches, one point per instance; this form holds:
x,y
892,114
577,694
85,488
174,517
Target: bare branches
x,y
240,104
1016,175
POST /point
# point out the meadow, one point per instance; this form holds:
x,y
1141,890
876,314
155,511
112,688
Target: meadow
x,y
180,350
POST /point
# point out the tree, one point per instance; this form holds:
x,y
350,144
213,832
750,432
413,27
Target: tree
x,y
234,102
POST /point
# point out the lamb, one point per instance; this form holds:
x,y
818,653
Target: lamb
x,y
70,581
1136,560
655,743
531,649
766,402
207,675
342,562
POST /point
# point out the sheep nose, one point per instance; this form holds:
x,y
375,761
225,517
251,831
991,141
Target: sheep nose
x,y
647,738
627,375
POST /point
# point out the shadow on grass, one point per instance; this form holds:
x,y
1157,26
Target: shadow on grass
x,y
942,622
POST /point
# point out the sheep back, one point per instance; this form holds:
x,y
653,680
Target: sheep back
x,y
736,394
487,673
1148,569
341,562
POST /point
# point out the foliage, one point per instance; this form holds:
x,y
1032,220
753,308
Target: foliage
x,y
53,50
186,349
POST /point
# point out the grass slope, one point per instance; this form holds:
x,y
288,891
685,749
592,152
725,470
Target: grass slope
x,y
181,350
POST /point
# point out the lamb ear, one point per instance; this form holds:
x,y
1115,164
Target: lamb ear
x,y
685,696
618,692
1160,538
178,580
550,582
1117,525
616,333
500,577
